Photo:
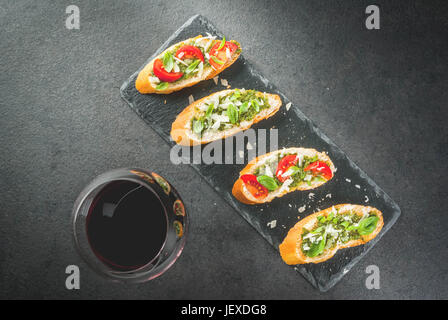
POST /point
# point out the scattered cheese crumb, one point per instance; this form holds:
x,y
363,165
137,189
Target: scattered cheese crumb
x,y
191,99
249,146
358,186
328,195
367,199
272,224
215,80
301,209
241,153
224,82
288,106
348,180
290,205
311,195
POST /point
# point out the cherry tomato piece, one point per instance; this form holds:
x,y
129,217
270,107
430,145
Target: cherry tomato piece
x,y
284,164
189,52
320,168
221,55
162,74
254,187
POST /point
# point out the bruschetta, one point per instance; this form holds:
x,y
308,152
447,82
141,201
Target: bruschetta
x,y
222,114
320,235
279,172
186,63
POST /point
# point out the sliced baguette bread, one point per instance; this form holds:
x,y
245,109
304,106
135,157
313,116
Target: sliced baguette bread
x,y
182,131
291,247
147,82
241,193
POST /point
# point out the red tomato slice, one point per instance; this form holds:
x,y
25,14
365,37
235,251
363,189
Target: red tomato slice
x,y
221,55
254,187
284,165
189,52
320,168
162,74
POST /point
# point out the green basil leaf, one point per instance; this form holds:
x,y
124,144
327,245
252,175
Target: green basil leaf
x,y
223,42
216,60
268,182
318,230
318,247
198,126
293,169
319,178
345,224
256,105
209,111
232,113
367,225
162,86
236,95
192,66
244,107
168,62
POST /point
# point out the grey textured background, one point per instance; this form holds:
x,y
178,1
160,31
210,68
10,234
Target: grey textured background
x,y
380,95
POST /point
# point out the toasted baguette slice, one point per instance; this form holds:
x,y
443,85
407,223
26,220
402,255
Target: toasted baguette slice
x,y
241,193
182,133
290,248
146,83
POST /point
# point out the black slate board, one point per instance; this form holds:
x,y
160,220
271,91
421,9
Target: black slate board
x,y
349,185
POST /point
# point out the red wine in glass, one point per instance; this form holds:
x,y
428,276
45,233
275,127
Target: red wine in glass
x,y
126,225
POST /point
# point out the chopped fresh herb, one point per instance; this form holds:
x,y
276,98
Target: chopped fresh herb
x,y
192,66
209,111
162,86
223,42
198,126
216,60
293,170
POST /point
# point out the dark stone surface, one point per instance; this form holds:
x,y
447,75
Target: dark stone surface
x,y
380,95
